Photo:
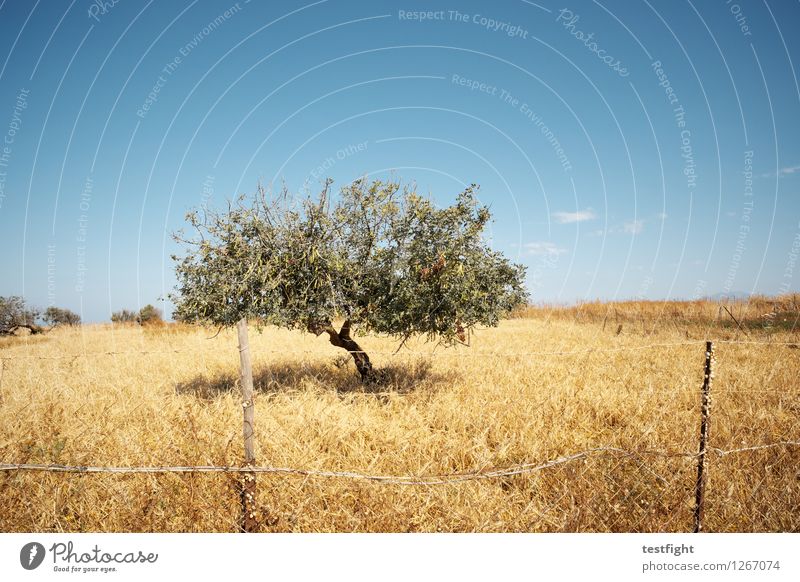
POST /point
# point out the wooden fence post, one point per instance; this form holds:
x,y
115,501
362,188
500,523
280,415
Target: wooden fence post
x,y
705,419
249,521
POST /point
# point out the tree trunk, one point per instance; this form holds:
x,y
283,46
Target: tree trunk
x,y
342,339
33,329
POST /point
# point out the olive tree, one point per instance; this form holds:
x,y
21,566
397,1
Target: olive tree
x,y
16,313
124,316
55,316
149,315
376,258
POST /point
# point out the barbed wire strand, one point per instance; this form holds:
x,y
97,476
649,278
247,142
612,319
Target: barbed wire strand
x,y
389,479
723,453
463,354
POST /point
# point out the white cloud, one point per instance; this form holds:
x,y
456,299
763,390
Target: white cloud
x,y
543,248
579,216
634,227
662,215
788,170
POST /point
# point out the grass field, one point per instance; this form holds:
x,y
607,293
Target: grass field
x,y
548,383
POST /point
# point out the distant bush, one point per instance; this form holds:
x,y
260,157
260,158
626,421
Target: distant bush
x,y
54,316
124,316
147,315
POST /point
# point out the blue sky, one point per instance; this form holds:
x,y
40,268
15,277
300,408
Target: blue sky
x,y
627,149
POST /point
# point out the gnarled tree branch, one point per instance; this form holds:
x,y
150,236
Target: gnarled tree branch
x,y
342,339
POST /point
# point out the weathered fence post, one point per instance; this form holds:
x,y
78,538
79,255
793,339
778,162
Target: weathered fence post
x,y
248,487
702,464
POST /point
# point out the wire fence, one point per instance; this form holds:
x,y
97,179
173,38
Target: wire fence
x,y
393,479
436,354
754,487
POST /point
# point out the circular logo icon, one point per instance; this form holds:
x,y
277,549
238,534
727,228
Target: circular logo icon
x,y
31,555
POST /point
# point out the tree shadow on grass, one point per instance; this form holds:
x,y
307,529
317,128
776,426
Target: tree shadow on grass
x,y
286,376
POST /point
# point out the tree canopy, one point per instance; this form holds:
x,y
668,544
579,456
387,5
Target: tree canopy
x,y
149,314
379,256
54,316
15,312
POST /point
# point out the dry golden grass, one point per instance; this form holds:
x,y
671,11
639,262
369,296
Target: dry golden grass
x,y
131,396
758,313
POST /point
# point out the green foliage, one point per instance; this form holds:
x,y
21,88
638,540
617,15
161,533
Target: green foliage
x,y
124,316
15,312
149,314
380,256
54,316
146,315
